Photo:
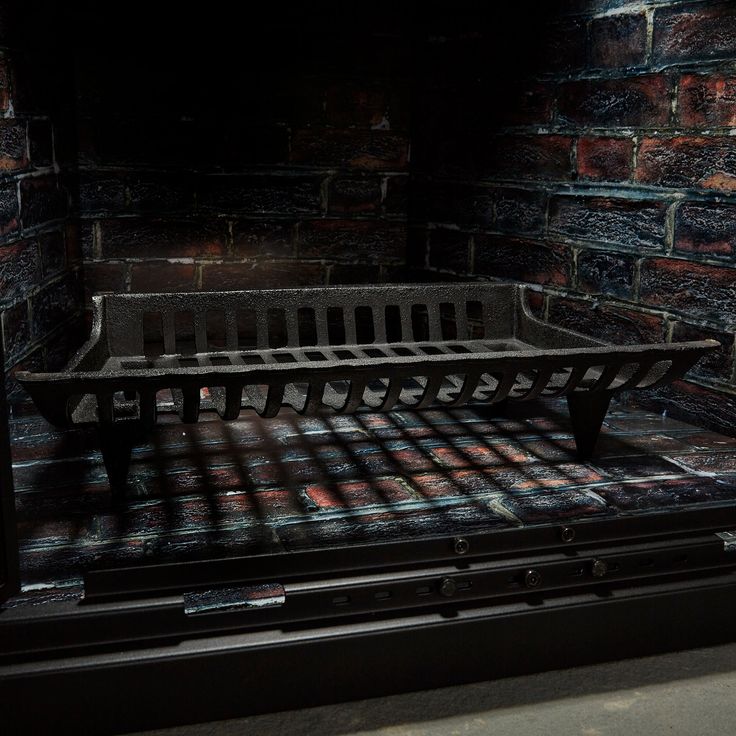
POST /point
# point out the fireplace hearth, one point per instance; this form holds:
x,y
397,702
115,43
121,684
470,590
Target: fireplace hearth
x,y
351,536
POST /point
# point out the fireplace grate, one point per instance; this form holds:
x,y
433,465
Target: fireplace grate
x,y
335,350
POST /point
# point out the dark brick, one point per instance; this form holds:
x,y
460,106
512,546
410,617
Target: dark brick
x,y
104,277
449,250
362,240
694,289
16,331
541,157
42,199
632,223
703,407
160,193
32,362
454,204
521,260
13,148
608,159
263,238
707,100
717,364
606,322
154,277
263,274
20,269
148,238
564,45
611,274
342,273
4,86
9,209
54,304
702,31
688,161
40,142
618,41
608,103
267,194
82,247
357,149
709,229
101,192
519,211
348,194
524,104
53,252
396,201
349,104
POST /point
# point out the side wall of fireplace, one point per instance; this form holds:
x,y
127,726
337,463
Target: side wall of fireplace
x,y
40,262
591,154
220,153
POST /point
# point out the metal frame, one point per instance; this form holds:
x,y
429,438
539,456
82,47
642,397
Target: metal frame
x,y
123,689
447,345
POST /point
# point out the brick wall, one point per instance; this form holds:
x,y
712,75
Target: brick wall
x,y
599,165
221,156
40,287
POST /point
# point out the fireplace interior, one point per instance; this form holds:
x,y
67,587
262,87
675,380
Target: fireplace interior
x,y
584,148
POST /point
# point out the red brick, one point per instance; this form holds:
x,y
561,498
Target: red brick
x,y
608,159
9,208
263,238
709,163
364,240
20,269
157,276
607,103
263,274
611,274
619,325
699,31
695,289
541,157
707,100
707,228
355,149
354,494
103,277
133,237
522,260
13,148
628,222
42,199
618,41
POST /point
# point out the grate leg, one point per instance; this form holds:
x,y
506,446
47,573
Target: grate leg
x,y
116,443
587,412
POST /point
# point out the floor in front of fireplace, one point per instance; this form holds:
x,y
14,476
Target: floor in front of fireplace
x,y
224,488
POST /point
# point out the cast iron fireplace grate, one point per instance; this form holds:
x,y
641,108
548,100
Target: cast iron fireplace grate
x,y
336,350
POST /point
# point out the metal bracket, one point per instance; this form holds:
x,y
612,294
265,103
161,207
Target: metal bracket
x,y
729,540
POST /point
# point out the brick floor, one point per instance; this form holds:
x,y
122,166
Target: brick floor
x,y
255,485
